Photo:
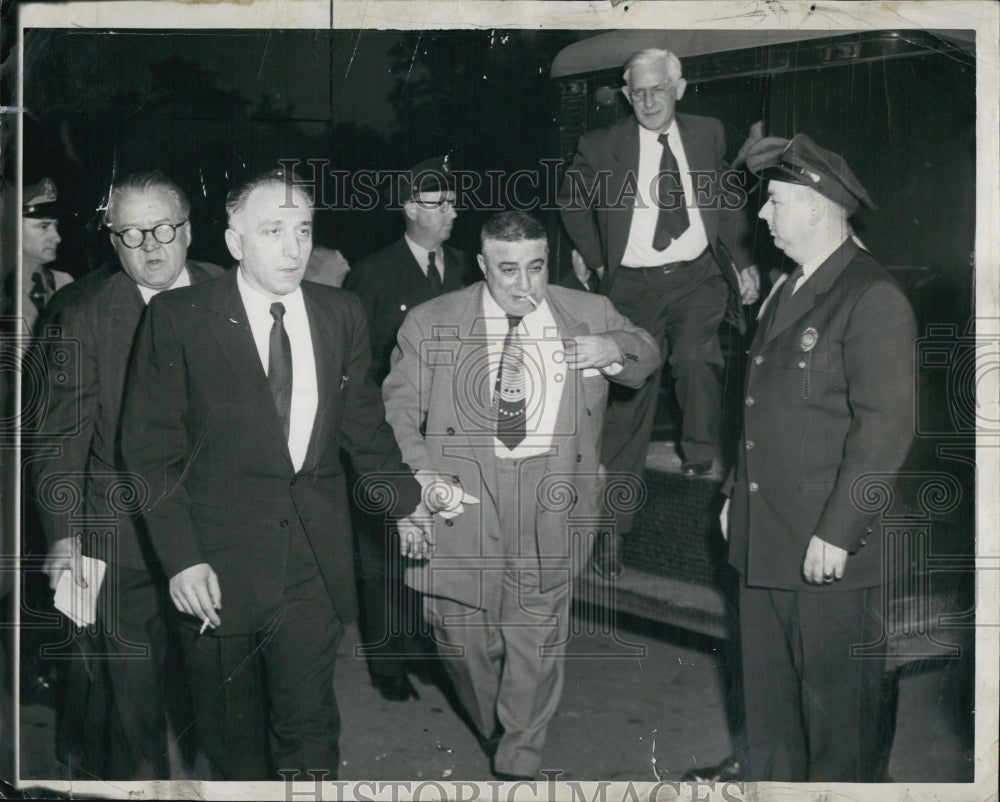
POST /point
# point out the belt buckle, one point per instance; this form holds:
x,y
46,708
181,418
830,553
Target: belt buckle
x,y
667,268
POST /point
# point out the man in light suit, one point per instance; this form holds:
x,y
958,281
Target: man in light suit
x,y
242,393
499,390
417,267
654,216
147,219
829,403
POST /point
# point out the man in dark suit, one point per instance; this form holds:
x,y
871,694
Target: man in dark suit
x,y
125,728
499,391
417,267
242,393
648,207
829,402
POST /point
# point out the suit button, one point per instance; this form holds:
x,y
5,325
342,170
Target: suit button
x,y
293,480
754,487
283,523
579,457
802,364
448,522
749,402
588,413
456,480
863,542
749,445
402,307
450,430
758,360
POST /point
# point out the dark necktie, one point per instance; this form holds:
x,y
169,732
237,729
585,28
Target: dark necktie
x,y
781,301
509,394
40,290
433,276
279,373
673,218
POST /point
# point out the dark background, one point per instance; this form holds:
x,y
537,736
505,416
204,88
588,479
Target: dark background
x,y
214,107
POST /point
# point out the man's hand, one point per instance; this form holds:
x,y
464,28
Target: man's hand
x,y
416,534
588,278
749,279
195,591
724,520
592,351
824,563
64,556
442,493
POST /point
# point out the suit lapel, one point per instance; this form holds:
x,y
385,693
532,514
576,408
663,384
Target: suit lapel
x,y
125,309
327,353
453,270
231,328
810,294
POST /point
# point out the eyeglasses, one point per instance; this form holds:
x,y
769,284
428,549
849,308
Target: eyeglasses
x,y
444,204
657,92
164,233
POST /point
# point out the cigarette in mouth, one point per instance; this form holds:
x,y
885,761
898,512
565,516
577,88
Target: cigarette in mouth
x,y
534,303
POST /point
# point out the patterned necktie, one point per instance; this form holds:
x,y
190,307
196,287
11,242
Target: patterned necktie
x,y
279,374
673,218
509,394
40,290
433,276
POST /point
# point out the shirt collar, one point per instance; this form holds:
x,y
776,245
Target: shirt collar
x,y
420,253
810,266
183,280
647,137
531,323
256,303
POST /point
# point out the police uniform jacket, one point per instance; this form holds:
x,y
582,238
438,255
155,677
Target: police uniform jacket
x,y
828,409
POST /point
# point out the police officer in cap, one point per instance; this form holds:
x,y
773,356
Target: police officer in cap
x,y
829,401
415,268
40,238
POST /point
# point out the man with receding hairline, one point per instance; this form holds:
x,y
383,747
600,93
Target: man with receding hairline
x,y
242,393
644,206
499,389
148,225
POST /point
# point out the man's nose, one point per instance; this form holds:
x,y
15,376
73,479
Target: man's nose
x,y
523,281
149,242
290,244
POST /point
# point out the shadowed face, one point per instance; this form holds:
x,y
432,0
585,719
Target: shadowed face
x,y
272,239
431,216
39,239
514,271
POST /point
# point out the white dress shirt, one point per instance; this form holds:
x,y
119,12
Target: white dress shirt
x,y
305,387
639,251
545,364
420,254
183,280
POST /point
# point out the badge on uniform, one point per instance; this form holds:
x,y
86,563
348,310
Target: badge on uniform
x,y
809,339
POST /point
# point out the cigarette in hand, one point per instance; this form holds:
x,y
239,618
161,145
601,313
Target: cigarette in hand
x,y
204,626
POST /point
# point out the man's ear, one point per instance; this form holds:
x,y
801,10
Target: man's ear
x,y
410,209
482,262
679,88
187,232
628,98
235,244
